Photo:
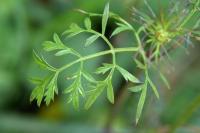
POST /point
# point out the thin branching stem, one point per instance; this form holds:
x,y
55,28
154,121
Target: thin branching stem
x,y
107,42
84,58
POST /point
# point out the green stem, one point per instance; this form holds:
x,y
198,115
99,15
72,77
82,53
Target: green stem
x,y
84,58
140,46
107,42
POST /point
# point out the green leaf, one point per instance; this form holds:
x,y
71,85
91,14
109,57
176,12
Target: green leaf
x,y
105,68
153,87
137,88
51,90
88,24
56,45
165,80
75,99
42,63
94,94
105,18
141,103
74,86
91,39
110,92
70,88
63,52
73,30
36,81
57,39
127,76
50,46
74,90
88,77
119,29
38,92
139,64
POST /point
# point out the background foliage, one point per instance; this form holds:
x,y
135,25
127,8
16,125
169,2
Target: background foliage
x,y
25,24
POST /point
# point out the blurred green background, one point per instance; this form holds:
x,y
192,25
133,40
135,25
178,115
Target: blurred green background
x,y
25,24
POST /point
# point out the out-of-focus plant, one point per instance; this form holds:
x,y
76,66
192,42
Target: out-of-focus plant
x,y
155,37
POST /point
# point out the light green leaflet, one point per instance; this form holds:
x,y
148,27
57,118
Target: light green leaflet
x,y
94,94
45,88
153,87
120,28
127,76
105,68
136,88
73,31
98,89
105,18
141,102
42,63
63,52
110,92
91,39
88,23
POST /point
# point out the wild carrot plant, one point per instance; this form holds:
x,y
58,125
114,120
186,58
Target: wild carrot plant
x,y
155,37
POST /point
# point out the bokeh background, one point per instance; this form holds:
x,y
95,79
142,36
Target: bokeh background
x,y
25,24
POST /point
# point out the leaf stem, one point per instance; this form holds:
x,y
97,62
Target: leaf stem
x,y
107,42
84,58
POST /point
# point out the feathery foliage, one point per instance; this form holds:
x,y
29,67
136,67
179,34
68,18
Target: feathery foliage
x,y
155,37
